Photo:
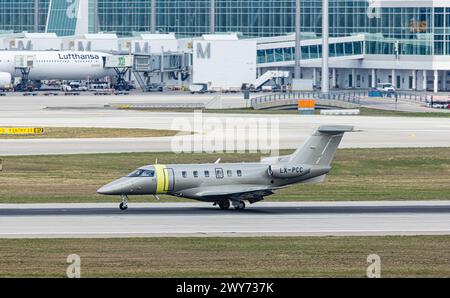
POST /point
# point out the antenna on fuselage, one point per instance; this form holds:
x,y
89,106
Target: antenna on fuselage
x,y
156,161
218,161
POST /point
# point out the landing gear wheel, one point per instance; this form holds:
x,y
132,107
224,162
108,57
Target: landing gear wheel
x,y
239,205
123,206
224,205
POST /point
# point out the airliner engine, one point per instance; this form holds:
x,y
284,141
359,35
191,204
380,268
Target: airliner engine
x,y
5,81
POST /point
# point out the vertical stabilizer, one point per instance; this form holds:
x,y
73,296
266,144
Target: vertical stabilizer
x,y
321,147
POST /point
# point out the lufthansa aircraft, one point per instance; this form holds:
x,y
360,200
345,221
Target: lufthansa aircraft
x,y
226,184
58,65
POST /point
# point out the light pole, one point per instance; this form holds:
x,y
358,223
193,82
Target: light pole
x,y
298,54
325,48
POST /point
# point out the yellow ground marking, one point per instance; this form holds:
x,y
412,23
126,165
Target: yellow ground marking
x,y
21,130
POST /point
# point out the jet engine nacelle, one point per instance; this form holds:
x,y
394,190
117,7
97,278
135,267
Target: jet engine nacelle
x,y
5,81
288,170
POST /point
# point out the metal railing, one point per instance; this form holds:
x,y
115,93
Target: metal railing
x,y
353,97
420,97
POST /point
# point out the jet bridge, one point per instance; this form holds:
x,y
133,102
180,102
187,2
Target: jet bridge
x,y
146,66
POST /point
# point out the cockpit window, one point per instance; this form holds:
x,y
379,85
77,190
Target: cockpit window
x,y
148,173
142,173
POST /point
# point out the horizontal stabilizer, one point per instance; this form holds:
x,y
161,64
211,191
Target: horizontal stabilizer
x,y
335,129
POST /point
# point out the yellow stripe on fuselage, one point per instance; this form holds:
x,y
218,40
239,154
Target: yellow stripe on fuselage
x,y
162,179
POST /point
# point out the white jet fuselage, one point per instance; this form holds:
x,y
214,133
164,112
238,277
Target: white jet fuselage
x,y
57,65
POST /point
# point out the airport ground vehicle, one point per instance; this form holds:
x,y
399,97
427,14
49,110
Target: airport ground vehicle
x,y
154,87
198,88
94,86
29,86
386,87
74,86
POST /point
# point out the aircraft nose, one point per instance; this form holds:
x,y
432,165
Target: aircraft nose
x,y
118,187
105,190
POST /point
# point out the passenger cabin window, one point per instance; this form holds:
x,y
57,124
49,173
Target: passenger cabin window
x,y
195,174
184,174
207,174
239,173
219,173
142,173
230,173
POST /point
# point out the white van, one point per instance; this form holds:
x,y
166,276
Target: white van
x,y
385,87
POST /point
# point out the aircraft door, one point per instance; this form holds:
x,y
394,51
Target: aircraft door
x,y
219,173
169,180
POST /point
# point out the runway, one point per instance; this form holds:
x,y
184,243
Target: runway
x,y
292,130
203,220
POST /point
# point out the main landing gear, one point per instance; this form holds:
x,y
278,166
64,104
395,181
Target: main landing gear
x,y
225,205
239,205
124,205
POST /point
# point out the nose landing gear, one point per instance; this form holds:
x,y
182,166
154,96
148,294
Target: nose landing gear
x,y
124,205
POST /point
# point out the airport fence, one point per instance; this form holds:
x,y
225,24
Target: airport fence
x,y
419,97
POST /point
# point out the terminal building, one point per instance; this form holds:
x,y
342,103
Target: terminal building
x,y
406,43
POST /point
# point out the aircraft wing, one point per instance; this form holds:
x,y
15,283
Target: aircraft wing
x,y
238,192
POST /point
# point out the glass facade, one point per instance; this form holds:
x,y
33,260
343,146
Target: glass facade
x,y
255,17
402,31
19,15
442,31
184,17
124,16
389,31
62,19
310,52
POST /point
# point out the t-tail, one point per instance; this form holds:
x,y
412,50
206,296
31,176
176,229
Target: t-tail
x,y
319,149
